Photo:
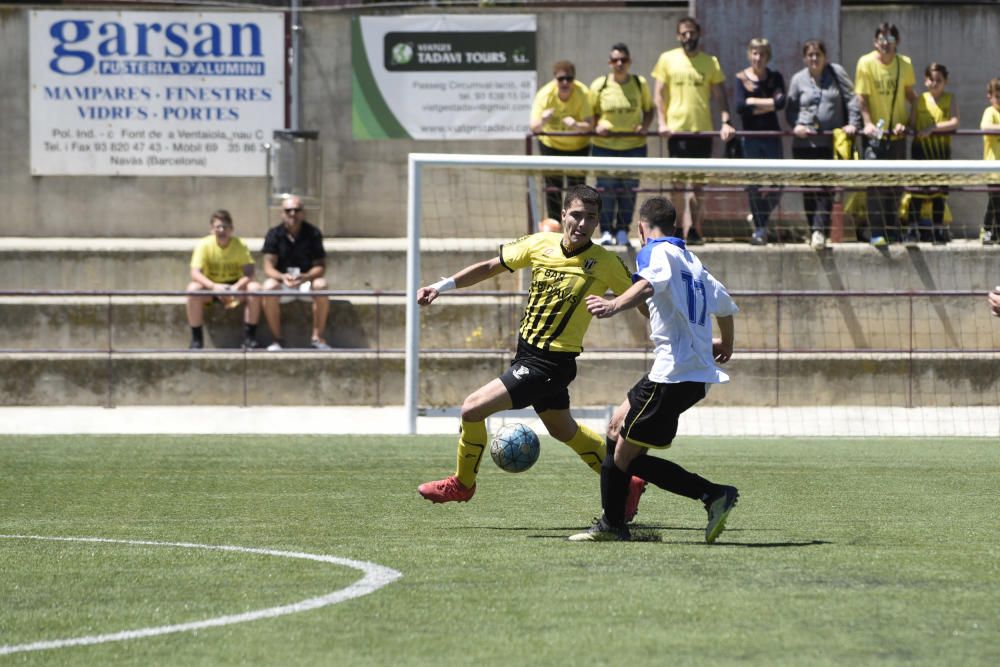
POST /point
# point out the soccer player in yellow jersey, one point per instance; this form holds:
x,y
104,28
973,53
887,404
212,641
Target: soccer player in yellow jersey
x,y
565,269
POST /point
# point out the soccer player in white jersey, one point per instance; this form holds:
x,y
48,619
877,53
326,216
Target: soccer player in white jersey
x,y
681,296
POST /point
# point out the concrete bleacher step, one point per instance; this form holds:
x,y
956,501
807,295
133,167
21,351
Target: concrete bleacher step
x,y
380,264
371,378
490,322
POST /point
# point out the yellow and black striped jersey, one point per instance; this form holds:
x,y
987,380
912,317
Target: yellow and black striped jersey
x,y
556,316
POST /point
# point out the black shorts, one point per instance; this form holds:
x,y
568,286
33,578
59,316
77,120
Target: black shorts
x,y
654,408
539,378
690,146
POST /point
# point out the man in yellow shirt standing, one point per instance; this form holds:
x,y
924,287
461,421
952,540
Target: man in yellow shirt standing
x,y
562,105
884,83
687,80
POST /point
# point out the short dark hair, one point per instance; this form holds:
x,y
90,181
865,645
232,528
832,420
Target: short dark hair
x,y
817,44
887,29
621,46
223,215
936,67
688,19
993,87
564,66
584,194
659,212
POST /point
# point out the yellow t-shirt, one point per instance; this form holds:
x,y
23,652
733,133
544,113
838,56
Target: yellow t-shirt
x,y
688,82
555,317
991,142
929,113
576,107
221,265
620,108
877,82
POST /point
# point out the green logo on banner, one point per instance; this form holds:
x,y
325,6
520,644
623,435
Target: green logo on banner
x,y
459,51
402,53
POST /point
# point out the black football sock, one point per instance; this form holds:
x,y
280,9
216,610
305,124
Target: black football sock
x,y
197,333
671,477
250,330
614,490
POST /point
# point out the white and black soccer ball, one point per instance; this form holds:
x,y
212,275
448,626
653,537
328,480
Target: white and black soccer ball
x,y
515,448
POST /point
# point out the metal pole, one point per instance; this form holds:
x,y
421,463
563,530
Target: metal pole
x,y
293,82
412,285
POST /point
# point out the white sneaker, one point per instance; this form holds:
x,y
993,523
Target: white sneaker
x,y
621,237
274,347
607,239
818,240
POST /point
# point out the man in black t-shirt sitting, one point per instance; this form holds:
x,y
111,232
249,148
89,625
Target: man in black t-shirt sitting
x,y
295,261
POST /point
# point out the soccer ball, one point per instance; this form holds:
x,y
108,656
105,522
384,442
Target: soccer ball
x,y
514,448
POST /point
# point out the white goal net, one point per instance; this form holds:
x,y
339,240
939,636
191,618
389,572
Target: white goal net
x,y
846,340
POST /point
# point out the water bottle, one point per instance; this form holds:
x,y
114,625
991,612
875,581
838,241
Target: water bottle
x,y
879,129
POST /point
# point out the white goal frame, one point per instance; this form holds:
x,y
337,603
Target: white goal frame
x,y
862,173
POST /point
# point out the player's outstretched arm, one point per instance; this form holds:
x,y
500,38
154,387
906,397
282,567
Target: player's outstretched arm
x,y
637,294
470,275
722,348
994,298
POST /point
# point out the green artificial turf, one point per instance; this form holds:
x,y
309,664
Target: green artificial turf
x,y
850,551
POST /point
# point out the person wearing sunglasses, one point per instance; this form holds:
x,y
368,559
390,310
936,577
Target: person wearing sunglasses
x,y
688,80
295,261
562,106
884,82
623,108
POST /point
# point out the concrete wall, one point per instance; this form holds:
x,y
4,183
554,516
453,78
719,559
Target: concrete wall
x,y
364,184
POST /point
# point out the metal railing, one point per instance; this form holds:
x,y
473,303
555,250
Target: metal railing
x,y
769,327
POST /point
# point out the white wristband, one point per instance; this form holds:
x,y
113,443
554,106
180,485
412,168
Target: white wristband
x,y
444,285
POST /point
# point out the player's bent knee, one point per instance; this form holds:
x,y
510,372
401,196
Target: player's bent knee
x,y
319,284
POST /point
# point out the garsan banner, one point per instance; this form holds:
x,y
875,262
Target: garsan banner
x,y
154,93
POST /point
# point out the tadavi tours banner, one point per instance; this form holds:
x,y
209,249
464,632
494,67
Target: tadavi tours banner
x,y
154,93
443,76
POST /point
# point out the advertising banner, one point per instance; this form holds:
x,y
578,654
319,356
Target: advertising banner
x,y
154,93
443,77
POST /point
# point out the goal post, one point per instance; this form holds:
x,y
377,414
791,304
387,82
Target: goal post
x,y
466,205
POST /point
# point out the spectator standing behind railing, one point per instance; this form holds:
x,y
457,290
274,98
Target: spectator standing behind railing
x,y
295,261
221,261
884,83
562,105
990,232
759,95
820,100
934,114
622,103
687,79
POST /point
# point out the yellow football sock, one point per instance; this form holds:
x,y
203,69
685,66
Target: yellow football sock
x,y
471,444
588,446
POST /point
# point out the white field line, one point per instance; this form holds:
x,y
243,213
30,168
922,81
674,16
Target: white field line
x,y
375,577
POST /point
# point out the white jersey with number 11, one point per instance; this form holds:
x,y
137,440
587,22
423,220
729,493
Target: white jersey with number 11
x,y
685,297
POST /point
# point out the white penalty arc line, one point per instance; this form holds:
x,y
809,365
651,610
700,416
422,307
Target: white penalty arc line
x,y
375,577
